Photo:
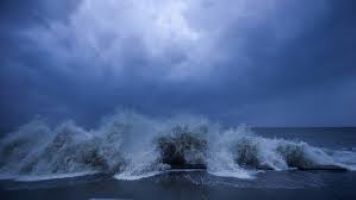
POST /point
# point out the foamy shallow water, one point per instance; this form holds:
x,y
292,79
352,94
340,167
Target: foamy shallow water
x,y
191,185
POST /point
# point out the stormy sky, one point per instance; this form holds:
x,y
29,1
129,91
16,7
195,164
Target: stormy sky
x,y
263,63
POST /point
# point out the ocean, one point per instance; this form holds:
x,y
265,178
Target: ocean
x,y
190,160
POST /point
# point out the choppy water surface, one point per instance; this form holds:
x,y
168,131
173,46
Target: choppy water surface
x,y
131,156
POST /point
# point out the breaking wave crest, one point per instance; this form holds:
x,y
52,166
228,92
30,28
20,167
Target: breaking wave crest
x,y
131,146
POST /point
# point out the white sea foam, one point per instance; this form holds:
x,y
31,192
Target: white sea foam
x,y
131,146
29,178
131,177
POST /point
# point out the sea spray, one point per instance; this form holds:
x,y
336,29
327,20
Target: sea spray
x,y
131,146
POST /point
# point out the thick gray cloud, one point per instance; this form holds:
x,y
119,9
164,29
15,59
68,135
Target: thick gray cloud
x,y
275,63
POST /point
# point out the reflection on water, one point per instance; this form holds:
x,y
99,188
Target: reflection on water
x,y
191,185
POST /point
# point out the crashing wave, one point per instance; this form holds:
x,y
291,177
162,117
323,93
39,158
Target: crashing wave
x,y
183,148
132,146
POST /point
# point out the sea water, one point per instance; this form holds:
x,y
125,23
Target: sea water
x,y
131,156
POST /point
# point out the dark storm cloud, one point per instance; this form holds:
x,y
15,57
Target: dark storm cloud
x,y
293,66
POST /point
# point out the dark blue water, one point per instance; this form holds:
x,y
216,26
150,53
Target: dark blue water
x,y
291,184
334,138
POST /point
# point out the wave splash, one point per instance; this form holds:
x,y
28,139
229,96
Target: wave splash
x,y
131,146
